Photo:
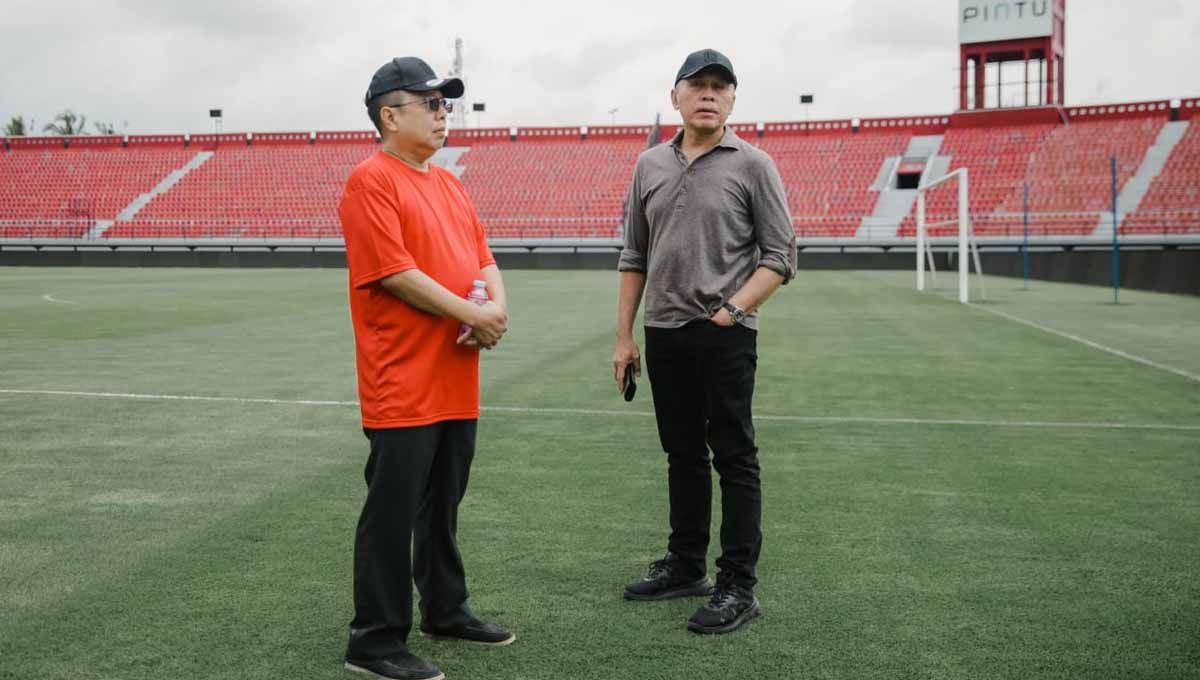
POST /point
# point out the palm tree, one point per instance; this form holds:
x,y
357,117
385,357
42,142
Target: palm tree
x,y
104,128
67,123
15,127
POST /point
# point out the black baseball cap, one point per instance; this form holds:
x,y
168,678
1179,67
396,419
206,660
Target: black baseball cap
x,y
701,59
413,75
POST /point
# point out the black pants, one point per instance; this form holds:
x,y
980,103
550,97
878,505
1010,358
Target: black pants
x,y
416,477
702,378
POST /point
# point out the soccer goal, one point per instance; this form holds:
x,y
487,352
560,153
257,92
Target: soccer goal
x,y
967,245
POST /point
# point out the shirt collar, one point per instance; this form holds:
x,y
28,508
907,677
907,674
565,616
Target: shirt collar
x,y
729,139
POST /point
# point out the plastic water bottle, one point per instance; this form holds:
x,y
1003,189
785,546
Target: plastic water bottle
x,y
479,296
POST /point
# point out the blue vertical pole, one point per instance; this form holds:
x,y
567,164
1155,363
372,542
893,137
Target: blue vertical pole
x,y
1116,251
1025,247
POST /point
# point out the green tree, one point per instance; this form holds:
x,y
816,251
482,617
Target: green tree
x,y
16,127
67,123
105,128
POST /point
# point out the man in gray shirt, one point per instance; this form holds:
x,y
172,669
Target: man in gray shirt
x,y
708,239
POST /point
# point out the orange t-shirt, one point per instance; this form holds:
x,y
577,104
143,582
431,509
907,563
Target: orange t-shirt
x,y
396,218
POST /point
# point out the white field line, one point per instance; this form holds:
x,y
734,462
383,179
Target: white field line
x,y
811,420
1090,343
49,297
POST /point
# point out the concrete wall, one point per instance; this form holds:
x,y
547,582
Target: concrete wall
x,y
1168,271
1165,271
124,258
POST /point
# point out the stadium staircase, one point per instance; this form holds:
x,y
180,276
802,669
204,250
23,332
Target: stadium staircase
x,y
448,157
895,204
1131,197
1070,175
276,191
49,191
140,202
828,177
1172,205
998,160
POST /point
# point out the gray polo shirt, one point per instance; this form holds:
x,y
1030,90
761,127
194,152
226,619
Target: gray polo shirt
x,y
700,230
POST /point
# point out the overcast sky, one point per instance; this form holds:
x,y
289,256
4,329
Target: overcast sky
x,y
304,64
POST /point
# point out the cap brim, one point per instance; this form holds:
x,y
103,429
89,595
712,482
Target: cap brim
x,y
728,74
451,88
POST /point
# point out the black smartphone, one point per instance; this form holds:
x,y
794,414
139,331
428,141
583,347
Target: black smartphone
x,y
630,382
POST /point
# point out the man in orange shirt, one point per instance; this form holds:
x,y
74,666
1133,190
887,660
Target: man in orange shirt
x,y
414,245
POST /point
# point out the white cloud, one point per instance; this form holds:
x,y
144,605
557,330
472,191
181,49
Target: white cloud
x,y
304,64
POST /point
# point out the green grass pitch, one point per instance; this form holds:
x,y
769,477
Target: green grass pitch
x,y
948,493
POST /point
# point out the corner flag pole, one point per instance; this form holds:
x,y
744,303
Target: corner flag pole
x,y
1025,246
1116,251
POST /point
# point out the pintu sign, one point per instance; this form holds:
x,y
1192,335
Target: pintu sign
x,y
987,21
1003,11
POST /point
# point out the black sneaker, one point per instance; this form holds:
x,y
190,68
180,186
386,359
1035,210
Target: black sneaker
x,y
667,580
729,607
402,666
473,631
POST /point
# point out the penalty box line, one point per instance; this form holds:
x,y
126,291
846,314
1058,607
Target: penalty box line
x,y
1090,343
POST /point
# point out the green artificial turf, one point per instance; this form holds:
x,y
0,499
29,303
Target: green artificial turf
x,y
947,493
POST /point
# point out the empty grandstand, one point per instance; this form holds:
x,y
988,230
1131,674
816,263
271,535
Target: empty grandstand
x,y
847,180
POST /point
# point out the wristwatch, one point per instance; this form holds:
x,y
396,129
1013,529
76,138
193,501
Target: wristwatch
x,y
736,312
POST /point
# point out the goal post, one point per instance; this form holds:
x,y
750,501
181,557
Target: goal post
x,y
966,243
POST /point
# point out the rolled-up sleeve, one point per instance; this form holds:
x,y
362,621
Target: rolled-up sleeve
x,y
773,222
637,230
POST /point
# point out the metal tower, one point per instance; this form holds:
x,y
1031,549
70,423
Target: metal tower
x,y
459,118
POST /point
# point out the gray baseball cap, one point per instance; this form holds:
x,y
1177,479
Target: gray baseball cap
x,y
701,59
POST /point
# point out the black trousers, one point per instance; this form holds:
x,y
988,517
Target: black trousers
x,y
416,478
702,378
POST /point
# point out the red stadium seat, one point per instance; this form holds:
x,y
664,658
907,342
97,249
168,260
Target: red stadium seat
x,y
564,186
1172,204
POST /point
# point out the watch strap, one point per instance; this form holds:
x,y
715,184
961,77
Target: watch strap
x,y
736,312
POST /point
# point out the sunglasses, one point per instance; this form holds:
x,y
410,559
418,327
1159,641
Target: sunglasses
x,y
432,104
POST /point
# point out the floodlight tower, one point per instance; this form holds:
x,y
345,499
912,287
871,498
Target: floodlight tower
x,y
458,119
1003,32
